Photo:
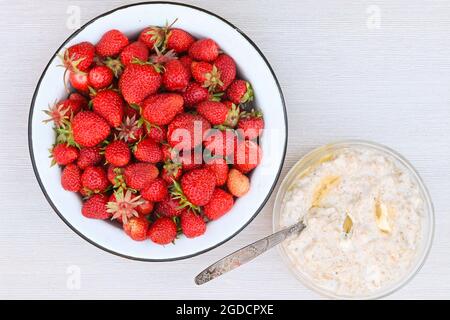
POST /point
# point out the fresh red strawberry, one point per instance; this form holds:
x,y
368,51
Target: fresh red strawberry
x,y
171,171
240,91
131,112
155,191
157,134
227,69
71,178
115,176
187,130
64,154
218,114
221,202
136,228
220,143
79,81
237,183
61,112
169,207
178,40
94,180
89,129
160,109
148,150
186,61
129,130
138,81
124,205
198,186
202,71
89,157
138,175
247,156
146,208
117,153
194,94
189,159
220,168
204,50
100,77
109,105
152,37
79,57
75,96
176,76
111,43
95,207
192,224
251,125
136,50
163,231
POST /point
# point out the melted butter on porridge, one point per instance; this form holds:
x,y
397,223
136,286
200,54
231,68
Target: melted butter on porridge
x,y
363,212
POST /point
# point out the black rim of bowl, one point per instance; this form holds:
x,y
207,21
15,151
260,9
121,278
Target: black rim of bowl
x,y
30,141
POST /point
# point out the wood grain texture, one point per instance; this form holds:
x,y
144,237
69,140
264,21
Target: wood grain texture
x,y
341,79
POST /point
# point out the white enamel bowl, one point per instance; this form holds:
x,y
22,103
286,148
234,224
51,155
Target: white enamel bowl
x,y
252,66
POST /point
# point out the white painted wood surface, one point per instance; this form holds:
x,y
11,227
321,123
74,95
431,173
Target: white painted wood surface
x,y
376,70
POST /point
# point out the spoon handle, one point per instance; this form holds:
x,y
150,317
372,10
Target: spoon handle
x,y
246,254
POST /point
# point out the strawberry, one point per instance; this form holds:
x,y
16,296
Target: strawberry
x,y
221,202
194,94
136,228
204,50
160,109
115,176
237,183
64,154
136,50
186,61
247,156
71,178
109,105
186,131
75,96
157,134
176,76
152,37
189,159
89,157
89,129
171,171
169,207
251,125
131,112
138,81
148,150
198,186
155,191
123,205
100,77
163,231
221,143
111,43
61,112
79,81
94,180
192,224
178,40
240,91
117,153
227,70
206,74
129,130
95,207
218,114
146,208
79,57
138,175
220,168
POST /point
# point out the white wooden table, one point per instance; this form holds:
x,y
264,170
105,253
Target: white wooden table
x,y
376,70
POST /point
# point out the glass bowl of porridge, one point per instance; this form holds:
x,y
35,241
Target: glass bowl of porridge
x,y
368,215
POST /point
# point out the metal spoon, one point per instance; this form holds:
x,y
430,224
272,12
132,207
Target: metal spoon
x,y
247,253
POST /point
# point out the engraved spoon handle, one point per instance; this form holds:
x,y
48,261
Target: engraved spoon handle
x,y
246,254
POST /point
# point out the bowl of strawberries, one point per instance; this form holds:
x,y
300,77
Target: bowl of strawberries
x,y
166,128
